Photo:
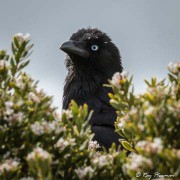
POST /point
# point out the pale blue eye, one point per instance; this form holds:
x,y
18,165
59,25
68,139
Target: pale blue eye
x,y
94,47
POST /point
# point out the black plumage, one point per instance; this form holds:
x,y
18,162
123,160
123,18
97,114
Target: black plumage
x,y
92,59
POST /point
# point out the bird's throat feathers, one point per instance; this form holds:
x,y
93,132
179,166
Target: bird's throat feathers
x,y
81,84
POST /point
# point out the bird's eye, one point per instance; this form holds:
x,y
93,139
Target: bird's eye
x,y
94,47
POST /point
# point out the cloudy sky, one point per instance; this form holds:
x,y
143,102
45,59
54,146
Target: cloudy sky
x,y
147,32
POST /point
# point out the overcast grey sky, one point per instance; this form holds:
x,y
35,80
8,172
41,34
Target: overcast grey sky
x,y
147,32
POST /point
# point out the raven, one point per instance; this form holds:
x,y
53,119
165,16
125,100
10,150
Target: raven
x,y
92,59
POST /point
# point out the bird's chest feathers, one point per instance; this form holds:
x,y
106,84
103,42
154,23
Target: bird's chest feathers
x,y
82,85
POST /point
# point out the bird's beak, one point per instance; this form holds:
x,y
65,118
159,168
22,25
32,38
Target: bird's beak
x,y
76,48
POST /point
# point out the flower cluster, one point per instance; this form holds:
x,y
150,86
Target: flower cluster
x,y
83,173
38,153
62,144
36,142
149,125
9,165
137,163
39,128
150,147
4,65
34,97
20,37
67,113
119,78
101,161
174,67
93,145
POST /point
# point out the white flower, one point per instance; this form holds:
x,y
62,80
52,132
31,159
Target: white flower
x,y
37,128
124,75
141,143
19,82
9,107
83,172
71,141
149,111
151,147
22,37
157,145
138,161
93,145
34,97
57,116
118,77
20,103
38,153
133,111
14,117
101,161
18,116
46,127
27,37
8,165
9,104
68,113
4,64
62,144
174,67
121,124
9,111
140,127
6,155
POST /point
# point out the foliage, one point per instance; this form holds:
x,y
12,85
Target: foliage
x,y
149,124
38,143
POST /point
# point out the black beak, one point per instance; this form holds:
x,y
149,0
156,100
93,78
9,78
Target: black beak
x,y
76,48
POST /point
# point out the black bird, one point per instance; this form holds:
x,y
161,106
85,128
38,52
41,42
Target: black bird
x,y
92,59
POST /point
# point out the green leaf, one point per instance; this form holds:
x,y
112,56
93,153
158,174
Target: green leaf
x,y
147,82
111,95
76,130
90,115
16,42
115,104
23,65
171,77
13,67
84,111
74,107
153,81
131,99
127,133
84,145
12,63
121,133
127,145
29,47
13,48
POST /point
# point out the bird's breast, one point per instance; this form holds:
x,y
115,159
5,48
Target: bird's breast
x,y
80,89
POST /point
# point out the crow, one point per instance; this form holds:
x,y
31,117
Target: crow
x,y
92,59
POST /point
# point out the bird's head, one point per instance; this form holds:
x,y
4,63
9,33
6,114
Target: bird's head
x,y
92,49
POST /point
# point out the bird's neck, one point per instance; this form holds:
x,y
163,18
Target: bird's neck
x,y
80,85
85,81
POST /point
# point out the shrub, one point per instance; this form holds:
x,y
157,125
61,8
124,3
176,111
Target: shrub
x,y
38,143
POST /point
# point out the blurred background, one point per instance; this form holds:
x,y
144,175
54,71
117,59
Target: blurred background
x,y
147,34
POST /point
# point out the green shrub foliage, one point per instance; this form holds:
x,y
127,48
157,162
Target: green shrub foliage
x,y
36,142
